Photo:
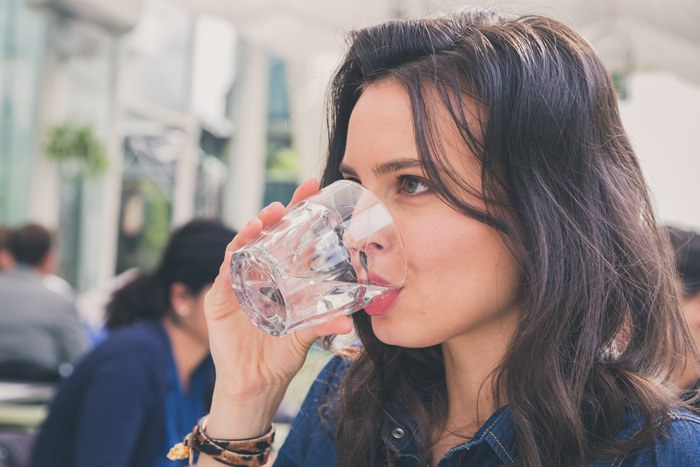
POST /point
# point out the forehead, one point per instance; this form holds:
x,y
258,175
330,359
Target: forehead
x,y
382,127
383,101
381,123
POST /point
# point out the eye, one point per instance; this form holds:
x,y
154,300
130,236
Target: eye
x,y
412,186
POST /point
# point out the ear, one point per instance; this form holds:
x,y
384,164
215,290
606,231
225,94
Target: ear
x,y
7,262
181,299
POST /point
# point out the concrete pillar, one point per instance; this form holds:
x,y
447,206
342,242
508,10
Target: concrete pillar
x,y
44,202
186,176
308,83
112,180
186,171
246,187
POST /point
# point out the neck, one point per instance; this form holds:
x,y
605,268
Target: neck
x,y
469,380
36,270
188,349
470,362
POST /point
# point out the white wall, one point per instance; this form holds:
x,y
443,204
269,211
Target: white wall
x,y
662,118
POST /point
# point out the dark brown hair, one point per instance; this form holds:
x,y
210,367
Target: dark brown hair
x,y
191,257
30,243
600,328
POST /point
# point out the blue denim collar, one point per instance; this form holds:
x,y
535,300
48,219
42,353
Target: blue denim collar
x,y
498,432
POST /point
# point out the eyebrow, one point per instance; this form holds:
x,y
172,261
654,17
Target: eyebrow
x,y
384,168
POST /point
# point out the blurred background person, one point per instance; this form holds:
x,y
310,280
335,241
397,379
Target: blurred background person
x,y
40,331
7,261
686,246
149,382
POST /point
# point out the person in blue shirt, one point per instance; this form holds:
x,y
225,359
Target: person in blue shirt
x,y
538,324
146,385
686,248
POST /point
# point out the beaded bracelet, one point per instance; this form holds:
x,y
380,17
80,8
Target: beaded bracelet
x,y
252,452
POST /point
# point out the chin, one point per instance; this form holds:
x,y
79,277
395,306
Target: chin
x,y
391,334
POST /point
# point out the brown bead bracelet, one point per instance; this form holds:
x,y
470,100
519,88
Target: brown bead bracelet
x,y
252,452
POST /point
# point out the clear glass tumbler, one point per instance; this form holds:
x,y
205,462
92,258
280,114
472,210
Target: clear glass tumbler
x,y
333,253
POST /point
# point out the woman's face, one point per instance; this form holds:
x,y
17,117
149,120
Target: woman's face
x,y
461,281
199,322
191,315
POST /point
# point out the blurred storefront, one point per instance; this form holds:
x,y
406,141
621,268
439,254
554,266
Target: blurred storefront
x,y
174,99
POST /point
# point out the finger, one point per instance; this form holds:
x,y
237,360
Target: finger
x,y
220,297
272,213
267,216
309,187
339,325
246,234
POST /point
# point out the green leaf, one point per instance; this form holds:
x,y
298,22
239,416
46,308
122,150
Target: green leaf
x,y
79,143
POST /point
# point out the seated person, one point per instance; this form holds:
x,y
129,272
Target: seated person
x,y
147,384
686,246
40,333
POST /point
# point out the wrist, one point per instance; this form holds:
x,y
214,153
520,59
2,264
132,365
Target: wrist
x,y
238,416
252,452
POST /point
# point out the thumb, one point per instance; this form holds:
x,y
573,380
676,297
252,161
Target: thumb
x,y
339,325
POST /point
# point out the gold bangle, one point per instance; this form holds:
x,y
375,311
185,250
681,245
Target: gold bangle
x,y
252,452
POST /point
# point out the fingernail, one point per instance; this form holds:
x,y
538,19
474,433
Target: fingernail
x,y
267,208
254,220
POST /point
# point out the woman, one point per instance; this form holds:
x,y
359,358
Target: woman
x,y
144,387
535,326
686,248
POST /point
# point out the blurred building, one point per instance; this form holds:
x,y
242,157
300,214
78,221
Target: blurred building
x,y
214,107
170,94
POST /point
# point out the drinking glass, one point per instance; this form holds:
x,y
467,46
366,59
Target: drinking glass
x,y
333,253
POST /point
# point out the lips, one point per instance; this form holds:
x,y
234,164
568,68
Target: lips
x,y
376,279
382,303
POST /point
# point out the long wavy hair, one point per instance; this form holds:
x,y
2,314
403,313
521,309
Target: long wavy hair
x,y
192,257
600,332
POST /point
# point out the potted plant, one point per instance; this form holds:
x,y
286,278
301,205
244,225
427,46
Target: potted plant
x,y
77,149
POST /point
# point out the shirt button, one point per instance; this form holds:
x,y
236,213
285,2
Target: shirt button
x,y
398,433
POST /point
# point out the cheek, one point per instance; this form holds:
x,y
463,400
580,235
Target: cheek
x,y
440,243
437,265
454,257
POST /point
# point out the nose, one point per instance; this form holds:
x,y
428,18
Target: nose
x,y
363,260
374,246
364,255
372,240
370,250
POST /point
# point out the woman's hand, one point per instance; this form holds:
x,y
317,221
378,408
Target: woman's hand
x,y
253,369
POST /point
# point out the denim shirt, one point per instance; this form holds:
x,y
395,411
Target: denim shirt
x,y
310,441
